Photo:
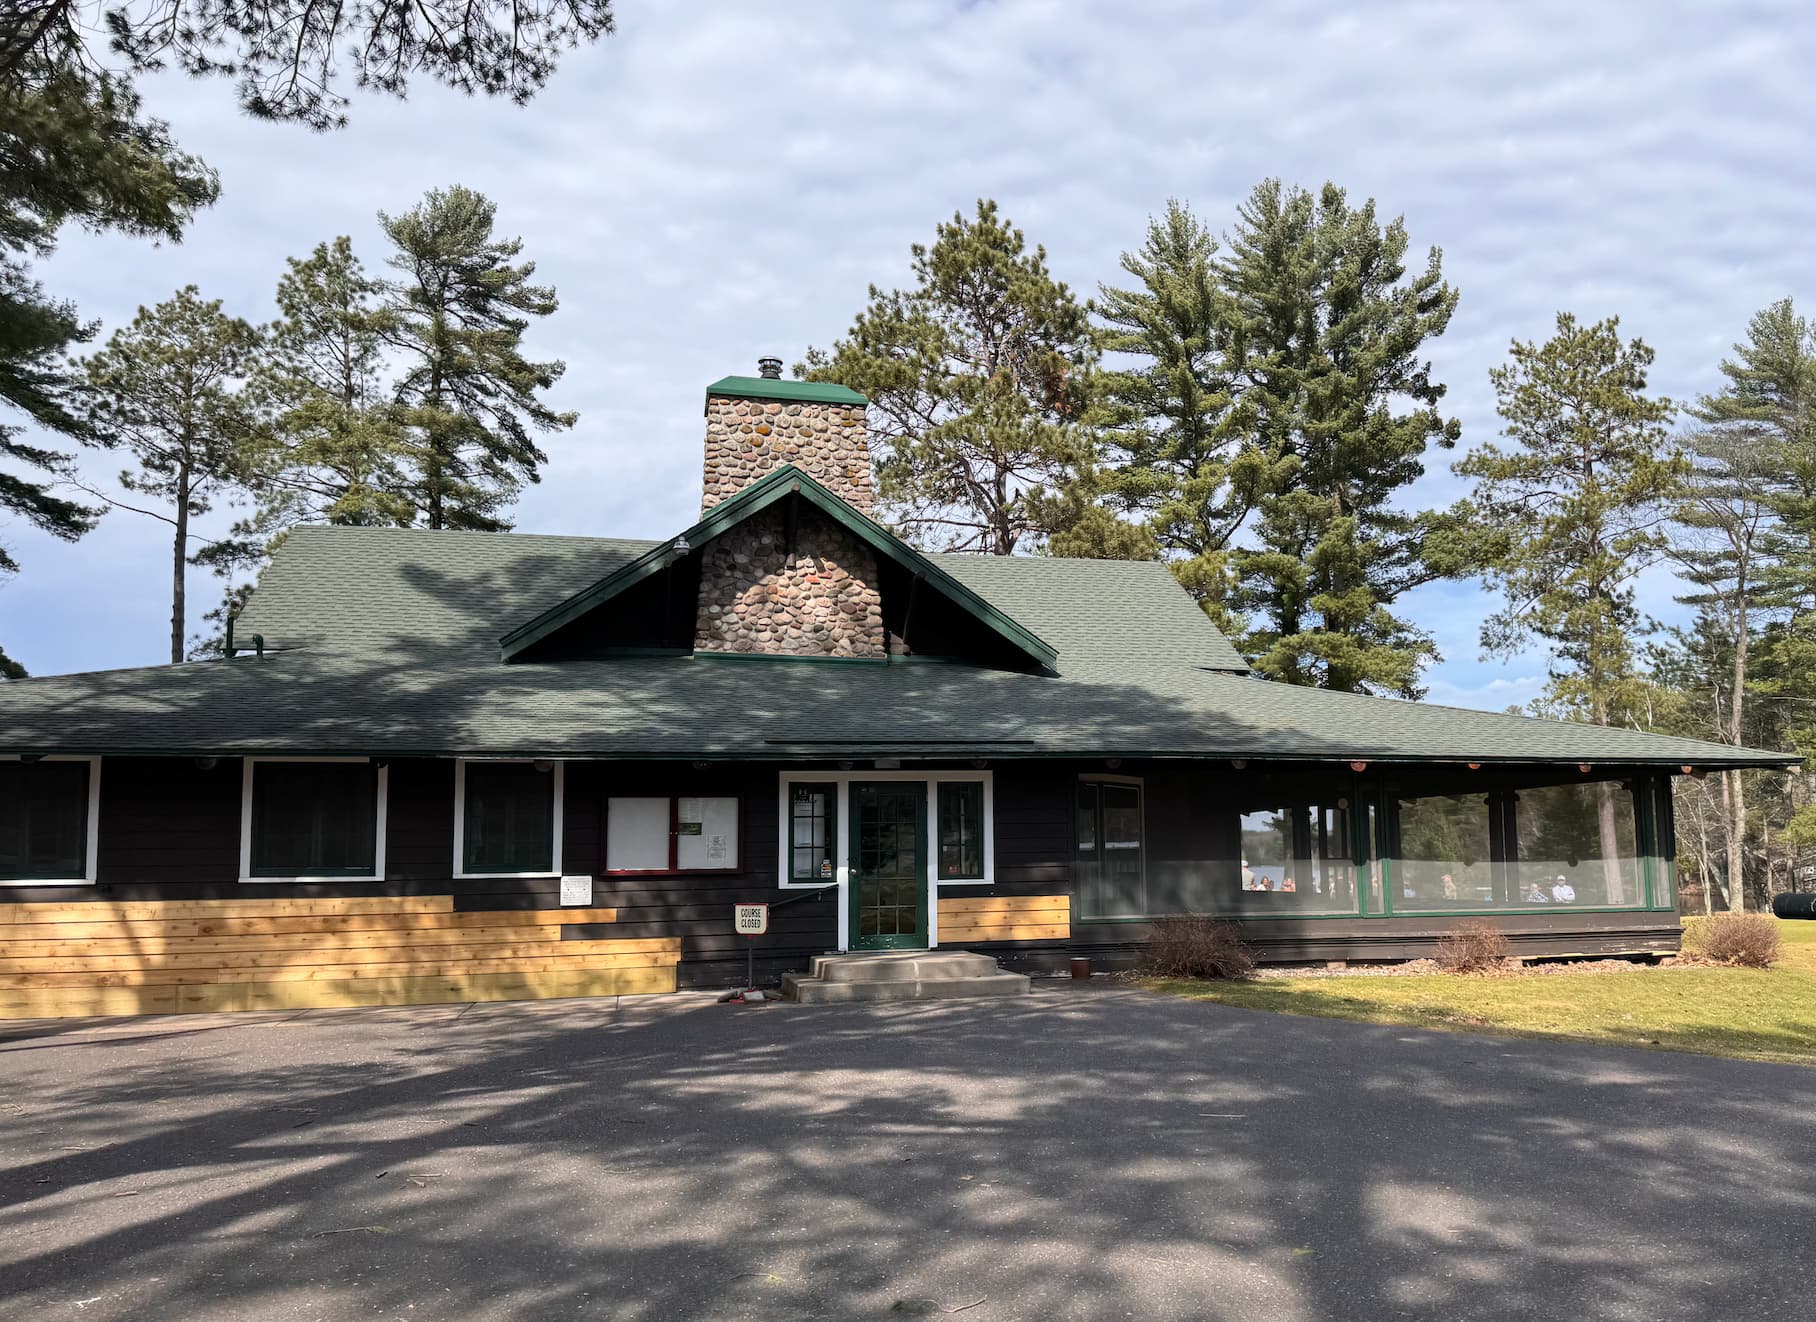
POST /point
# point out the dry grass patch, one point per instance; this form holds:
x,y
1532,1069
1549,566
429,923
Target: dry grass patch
x,y
1746,1013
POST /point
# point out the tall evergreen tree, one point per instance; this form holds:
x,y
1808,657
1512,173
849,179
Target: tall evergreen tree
x,y
1756,529
1577,505
1744,460
75,149
1325,341
467,397
1173,454
169,389
336,453
981,380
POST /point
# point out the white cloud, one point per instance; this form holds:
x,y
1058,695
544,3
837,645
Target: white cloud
x,y
720,180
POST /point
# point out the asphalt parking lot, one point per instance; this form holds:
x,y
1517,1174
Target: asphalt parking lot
x,y
1098,1153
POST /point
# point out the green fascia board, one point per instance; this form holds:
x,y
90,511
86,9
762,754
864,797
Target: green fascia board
x,y
786,392
760,495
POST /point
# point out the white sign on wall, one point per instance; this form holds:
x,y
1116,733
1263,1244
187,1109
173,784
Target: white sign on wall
x,y
577,891
750,919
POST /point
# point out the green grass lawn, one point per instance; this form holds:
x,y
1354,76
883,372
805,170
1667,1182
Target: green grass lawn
x,y
1751,1014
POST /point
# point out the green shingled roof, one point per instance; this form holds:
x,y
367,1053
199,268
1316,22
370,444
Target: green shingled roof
x,y
385,641
789,392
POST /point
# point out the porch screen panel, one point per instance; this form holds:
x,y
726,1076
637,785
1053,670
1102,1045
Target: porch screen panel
x,y
1577,846
1297,857
510,818
1445,859
43,821
314,819
1112,879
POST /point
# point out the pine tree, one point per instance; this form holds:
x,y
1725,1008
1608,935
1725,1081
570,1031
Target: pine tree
x,y
75,150
1752,531
1730,538
337,453
286,59
981,379
169,389
1325,335
1577,503
1173,453
467,397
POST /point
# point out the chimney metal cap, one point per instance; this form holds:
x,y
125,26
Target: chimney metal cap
x,y
769,368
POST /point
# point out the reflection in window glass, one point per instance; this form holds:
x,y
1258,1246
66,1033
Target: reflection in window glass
x,y
1297,858
1577,845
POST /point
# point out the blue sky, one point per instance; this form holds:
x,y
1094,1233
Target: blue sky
x,y
721,180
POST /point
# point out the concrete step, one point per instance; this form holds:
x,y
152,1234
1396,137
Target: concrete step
x,y
901,975
902,966
813,991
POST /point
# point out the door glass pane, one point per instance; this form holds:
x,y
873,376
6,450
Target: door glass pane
x,y
961,817
510,818
314,819
890,884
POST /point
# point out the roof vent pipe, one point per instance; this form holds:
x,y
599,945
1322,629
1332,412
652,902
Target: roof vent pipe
x,y
770,369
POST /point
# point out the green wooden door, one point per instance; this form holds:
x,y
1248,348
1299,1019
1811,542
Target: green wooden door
x,y
888,865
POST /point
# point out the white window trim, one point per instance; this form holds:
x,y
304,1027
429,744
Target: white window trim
x,y
92,843
460,817
842,869
378,846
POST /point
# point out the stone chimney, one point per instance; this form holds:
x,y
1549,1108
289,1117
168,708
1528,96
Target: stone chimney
x,y
755,424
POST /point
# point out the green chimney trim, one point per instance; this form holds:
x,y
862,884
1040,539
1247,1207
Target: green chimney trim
x,y
788,392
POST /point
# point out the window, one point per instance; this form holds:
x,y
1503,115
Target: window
x,y
1447,857
507,818
47,820
813,832
1576,845
1112,881
323,818
671,834
959,812
1555,845
1296,858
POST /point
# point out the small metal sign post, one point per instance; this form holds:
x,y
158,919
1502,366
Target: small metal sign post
x,y
751,921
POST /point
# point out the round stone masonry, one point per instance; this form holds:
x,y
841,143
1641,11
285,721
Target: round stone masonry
x,y
818,599
749,438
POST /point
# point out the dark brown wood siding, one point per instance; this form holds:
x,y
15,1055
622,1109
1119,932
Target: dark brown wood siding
x,y
170,829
